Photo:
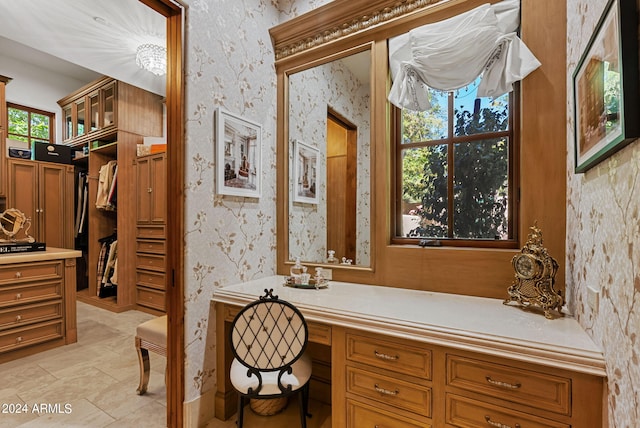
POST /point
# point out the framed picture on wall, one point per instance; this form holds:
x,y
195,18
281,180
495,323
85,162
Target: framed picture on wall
x,y
605,87
238,155
305,176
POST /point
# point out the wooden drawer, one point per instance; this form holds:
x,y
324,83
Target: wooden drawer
x,y
29,314
31,335
150,261
150,231
467,413
30,293
403,395
362,415
518,385
151,246
398,357
319,333
24,272
151,279
151,298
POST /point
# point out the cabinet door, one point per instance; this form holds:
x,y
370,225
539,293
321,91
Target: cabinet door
x,y
52,204
143,191
22,193
157,178
3,130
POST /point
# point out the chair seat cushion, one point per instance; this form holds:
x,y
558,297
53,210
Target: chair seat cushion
x,y
297,379
154,331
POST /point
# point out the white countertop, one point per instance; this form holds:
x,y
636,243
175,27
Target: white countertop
x,y
463,322
51,253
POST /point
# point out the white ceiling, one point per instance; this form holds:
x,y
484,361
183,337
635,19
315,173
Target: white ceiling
x,y
98,36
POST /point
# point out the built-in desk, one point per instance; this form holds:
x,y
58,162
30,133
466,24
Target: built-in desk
x,y
419,359
37,301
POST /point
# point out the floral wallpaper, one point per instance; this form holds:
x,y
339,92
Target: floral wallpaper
x,y
229,63
603,242
312,92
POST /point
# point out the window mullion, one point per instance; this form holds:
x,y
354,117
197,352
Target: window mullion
x,y
450,167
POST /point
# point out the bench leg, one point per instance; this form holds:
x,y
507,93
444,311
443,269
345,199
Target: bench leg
x,y
143,358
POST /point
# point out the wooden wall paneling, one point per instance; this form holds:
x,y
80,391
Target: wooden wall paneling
x,y
139,111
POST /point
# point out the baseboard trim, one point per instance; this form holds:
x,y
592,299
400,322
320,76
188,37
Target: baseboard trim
x,y
200,411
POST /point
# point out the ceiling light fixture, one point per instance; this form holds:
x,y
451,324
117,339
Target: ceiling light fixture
x,y
152,58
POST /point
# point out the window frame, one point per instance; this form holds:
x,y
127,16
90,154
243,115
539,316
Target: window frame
x,y
513,194
30,111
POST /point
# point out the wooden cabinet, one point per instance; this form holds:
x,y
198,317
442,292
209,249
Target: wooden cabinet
x,y
37,302
420,385
89,114
150,235
393,377
108,119
43,191
4,125
151,189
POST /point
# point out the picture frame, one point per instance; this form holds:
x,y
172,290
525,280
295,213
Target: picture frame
x,y
305,166
605,87
238,155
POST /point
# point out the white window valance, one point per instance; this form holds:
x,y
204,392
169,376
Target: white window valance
x,y
450,54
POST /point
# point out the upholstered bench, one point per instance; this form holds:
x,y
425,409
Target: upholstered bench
x,y
150,336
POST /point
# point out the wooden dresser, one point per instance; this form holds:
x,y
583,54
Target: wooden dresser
x,y
406,359
37,301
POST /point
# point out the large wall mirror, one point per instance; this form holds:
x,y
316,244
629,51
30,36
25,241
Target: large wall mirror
x,y
329,151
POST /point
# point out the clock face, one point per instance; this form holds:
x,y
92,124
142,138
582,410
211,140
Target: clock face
x,y
525,265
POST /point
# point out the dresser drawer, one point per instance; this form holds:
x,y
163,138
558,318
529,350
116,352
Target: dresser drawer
x,y
151,246
29,314
30,293
150,298
467,413
509,383
151,279
24,272
30,335
361,415
150,231
150,261
404,395
398,357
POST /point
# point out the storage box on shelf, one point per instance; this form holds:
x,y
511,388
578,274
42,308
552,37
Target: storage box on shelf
x,y
107,119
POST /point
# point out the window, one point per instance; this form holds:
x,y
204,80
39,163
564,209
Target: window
x,y
29,125
455,171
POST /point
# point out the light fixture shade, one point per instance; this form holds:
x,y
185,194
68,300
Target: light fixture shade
x,y
152,58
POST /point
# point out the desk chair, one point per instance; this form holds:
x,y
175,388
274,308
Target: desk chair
x,y
150,336
268,339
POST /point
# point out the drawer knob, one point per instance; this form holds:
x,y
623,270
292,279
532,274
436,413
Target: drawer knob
x,y
385,391
500,384
18,339
386,356
18,318
18,296
18,274
498,424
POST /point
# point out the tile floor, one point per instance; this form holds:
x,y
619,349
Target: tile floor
x,y
92,383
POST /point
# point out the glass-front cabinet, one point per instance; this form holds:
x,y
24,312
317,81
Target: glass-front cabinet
x,y
90,112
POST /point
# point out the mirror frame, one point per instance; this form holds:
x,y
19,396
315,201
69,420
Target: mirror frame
x,y
344,24
284,198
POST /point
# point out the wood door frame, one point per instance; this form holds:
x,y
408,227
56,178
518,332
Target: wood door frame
x,y
174,12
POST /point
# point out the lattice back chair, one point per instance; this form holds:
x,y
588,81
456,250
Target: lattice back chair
x,y
268,340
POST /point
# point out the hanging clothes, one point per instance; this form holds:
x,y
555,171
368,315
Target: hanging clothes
x,y
107,263
81,202
105,199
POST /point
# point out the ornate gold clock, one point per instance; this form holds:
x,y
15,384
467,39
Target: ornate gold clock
x,y
535,272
